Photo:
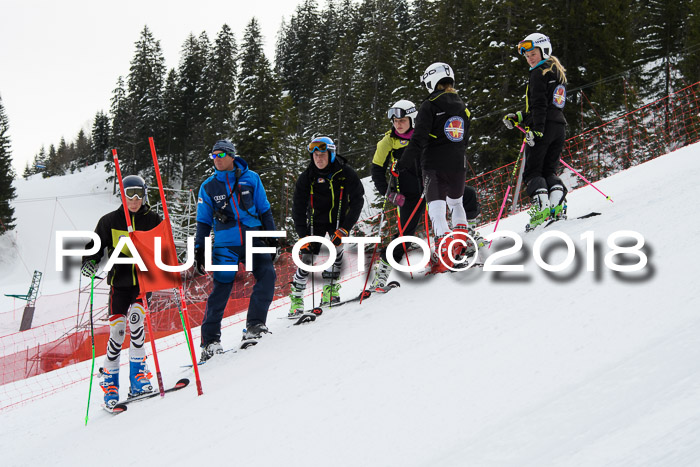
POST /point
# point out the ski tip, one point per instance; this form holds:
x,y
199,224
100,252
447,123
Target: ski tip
x,y
117,409
318,311
182,383
248,343
394,284
305,318
366,293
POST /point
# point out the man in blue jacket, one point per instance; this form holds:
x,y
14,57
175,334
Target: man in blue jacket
x,y
232,202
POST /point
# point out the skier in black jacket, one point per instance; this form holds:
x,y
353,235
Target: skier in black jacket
x,y
328,199
439,142
545,127
124,303
403,190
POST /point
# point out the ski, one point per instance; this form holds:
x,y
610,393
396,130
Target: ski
x,y
248,343
309,316
202,362
586,216
123,405
305,317
179,385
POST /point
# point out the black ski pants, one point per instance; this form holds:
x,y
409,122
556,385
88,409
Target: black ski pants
x,y
542,159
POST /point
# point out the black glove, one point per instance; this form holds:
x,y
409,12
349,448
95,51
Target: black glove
x,y
305,249
89,268
338,236
199,260
274,243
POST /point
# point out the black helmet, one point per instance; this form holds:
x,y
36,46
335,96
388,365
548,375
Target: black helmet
x,y
134,186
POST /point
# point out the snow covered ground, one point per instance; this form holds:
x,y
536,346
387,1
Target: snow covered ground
x,y
474,368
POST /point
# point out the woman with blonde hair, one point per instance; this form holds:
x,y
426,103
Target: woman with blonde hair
x,y
545,125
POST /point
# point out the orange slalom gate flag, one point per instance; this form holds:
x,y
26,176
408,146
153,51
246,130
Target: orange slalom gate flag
x,y
155,278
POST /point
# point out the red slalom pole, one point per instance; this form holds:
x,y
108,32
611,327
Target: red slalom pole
x,y
181,291
144,302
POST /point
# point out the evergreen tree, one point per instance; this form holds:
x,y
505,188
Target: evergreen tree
x,y
100,143
51,163
145,103
27,171
600,50
55,160
689,62
288,158
171,149
258,99
194,97
376,79
303,53
83,150
334,108
492,81
221,71
121,120
7,174
660,40
40,161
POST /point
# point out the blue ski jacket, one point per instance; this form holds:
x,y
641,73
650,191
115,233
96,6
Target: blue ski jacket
x,y
232,202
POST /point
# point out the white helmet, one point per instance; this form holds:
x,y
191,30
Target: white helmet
x,y
536,39
403,108
435,73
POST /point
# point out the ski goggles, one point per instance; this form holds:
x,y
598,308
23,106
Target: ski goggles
x,y
134,192
222,155
396,112
525,46
319,146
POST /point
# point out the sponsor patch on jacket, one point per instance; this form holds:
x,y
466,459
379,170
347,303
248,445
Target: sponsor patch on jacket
x,y
559,96
200,201
403,142
454,129
321,180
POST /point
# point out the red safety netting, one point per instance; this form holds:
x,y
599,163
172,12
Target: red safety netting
x,y
56,354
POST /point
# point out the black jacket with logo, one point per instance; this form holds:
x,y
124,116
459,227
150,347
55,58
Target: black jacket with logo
x,y
545,97
325,186
440,138
110,228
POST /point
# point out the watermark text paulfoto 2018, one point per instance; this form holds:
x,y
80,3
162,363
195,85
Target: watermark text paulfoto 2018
x,y
614,241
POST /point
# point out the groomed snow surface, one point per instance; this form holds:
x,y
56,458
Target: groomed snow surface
x,y
467,369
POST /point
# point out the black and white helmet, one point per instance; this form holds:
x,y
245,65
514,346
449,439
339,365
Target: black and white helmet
x,y
403,108
435,73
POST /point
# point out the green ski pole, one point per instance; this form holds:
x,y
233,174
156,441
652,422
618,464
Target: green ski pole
x,y
92,336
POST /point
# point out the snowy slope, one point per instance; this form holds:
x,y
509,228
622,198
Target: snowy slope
x,y
473,368
43,206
